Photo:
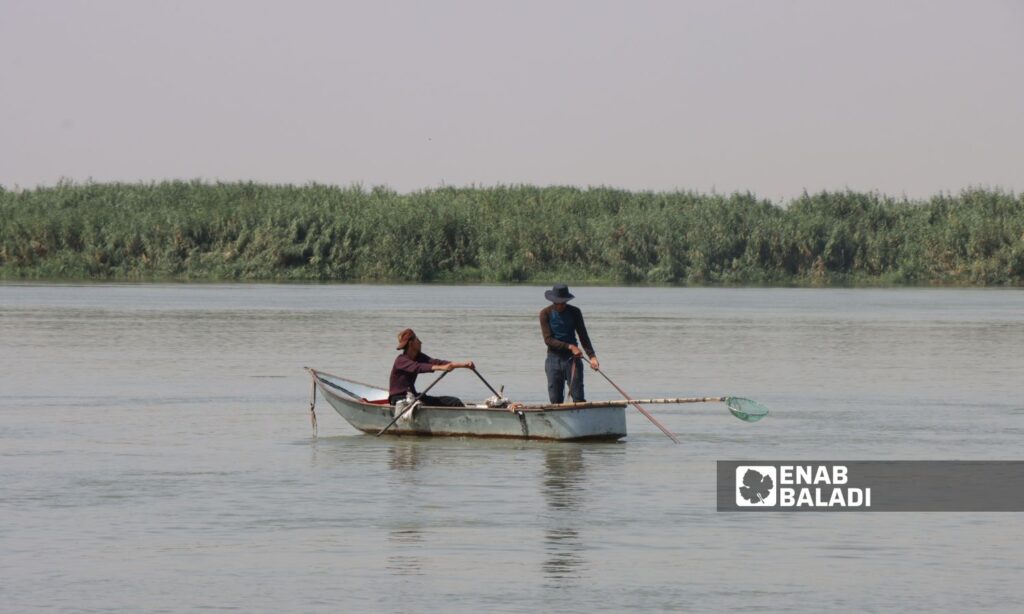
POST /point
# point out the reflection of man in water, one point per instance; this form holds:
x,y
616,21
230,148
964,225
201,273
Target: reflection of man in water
x,y
563,493
410,363
563,477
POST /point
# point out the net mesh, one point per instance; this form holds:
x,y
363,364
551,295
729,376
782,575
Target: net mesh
x,y
745,409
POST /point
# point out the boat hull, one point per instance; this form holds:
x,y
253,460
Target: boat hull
x,y
553,423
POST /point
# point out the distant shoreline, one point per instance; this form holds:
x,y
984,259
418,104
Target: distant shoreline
x,y
248,232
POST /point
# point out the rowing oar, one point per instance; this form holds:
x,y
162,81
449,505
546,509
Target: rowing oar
x,y
642,410
496,393
413,404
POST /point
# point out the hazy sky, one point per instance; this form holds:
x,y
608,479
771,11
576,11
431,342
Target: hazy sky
x,y
769,96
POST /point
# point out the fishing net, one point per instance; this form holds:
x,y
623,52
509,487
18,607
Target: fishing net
x,y
745,409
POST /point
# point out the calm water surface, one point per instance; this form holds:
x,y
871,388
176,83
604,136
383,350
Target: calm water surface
x,y
156,452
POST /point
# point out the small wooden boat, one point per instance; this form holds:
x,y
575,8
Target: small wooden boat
x,y
366,408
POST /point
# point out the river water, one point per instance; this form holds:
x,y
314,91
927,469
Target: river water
x,y
156,452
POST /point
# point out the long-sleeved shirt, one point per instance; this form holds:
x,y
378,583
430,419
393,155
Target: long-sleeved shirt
x,y
405,370
560,330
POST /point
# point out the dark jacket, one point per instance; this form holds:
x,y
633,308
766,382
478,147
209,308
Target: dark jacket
x,y
561,347
405,370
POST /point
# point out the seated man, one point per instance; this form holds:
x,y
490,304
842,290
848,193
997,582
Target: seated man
x,y
410,363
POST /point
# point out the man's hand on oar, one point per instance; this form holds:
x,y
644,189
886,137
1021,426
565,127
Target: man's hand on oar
x,y
578,353
449,366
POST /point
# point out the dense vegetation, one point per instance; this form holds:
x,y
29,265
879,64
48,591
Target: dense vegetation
x,y
247,231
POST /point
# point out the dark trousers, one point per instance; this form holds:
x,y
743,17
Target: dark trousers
x,y
431,401
563,371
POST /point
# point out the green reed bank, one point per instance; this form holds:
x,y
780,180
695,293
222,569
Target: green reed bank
x,y
248,231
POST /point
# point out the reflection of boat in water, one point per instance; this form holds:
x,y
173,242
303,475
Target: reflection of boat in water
x,y
366,408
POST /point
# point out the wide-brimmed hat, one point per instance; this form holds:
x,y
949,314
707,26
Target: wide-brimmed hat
x,y
404,338
559,293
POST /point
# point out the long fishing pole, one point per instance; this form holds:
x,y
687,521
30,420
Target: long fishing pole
x,y
642,410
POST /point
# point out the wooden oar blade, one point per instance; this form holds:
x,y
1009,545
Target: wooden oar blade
x,y
746,409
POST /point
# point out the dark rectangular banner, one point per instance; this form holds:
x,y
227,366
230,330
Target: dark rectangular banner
x,y
870,486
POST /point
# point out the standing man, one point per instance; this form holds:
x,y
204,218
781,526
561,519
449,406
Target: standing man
x,y
560,323
410,363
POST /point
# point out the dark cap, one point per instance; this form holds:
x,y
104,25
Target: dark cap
x,y
404,338
559,293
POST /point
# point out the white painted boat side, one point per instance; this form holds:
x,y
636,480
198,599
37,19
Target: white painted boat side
x,y
554,423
